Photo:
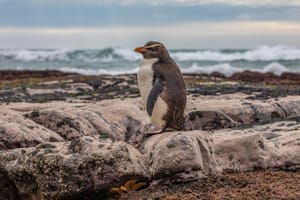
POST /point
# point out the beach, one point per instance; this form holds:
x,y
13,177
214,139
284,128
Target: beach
x,y
75,76
66,135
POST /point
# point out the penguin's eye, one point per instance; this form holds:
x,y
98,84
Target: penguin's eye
x,y
153,49
150,48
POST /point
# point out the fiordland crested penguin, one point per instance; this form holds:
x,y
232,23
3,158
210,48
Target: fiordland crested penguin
x,y
162,87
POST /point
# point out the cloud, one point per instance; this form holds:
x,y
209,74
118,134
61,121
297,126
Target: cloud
x,y
181,23
240,2
254,3
189,35
52,15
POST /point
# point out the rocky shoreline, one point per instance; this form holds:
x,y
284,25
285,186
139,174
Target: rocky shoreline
x,y
44,86
69,136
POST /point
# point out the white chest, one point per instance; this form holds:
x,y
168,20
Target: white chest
x,y
145,77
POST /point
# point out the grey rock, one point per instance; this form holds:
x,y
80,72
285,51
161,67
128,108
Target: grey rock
x,y
66,149
245,152
180,152
16,131
67,125
62,169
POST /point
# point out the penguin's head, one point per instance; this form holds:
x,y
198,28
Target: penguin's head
x,y
153,50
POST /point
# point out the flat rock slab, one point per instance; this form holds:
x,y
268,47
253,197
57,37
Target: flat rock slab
x,y
189,154
63,149
17,131
65,169
227,111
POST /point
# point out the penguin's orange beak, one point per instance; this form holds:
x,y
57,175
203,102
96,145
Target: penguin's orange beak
x,y
140,50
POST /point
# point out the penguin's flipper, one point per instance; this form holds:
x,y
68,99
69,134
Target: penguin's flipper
x,y
157,88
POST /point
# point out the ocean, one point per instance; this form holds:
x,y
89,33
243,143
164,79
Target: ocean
x,y
115,60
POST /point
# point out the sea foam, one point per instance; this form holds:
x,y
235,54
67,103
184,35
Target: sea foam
x,y
90,71
94,55
33,55
263,53
225,69
229,70
115,60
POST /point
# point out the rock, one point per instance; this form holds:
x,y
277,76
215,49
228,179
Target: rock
x,y
187,154
134,131
213,113
273,145
28,74
190,155
287,139
209,120
246,152
114,119
99,145
290,76
289,108
67,125
249,76
286,78
59,170
217,74
123,116
16,131
7,188
79,149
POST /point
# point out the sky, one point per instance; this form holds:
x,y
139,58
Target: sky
x,y
184,24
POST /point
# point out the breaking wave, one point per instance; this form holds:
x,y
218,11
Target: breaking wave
x,y
263,53
229,70
114,60
98,71
103,55
225,69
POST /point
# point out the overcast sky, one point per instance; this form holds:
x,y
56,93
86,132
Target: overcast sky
x,y
127,23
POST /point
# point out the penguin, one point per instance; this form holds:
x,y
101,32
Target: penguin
x,y
162,87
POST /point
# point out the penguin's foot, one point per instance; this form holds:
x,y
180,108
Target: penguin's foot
x,y
154,132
